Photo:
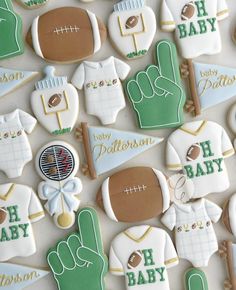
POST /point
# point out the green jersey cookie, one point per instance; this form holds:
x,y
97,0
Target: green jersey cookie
x,y
195,279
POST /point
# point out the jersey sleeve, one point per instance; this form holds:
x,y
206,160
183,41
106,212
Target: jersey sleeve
x,y
171,258
167,20
172,158
27,121
122,68
222,10
78,78
35,210
115,266
226,145
169,218
213,210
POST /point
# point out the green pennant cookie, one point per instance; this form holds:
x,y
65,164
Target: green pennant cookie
x,y
195,279
156,94
10,31
79,261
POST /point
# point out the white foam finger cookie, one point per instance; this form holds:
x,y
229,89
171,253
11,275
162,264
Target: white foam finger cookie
x,y
55,103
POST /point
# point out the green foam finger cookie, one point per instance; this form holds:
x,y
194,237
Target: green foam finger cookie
x,y
195,279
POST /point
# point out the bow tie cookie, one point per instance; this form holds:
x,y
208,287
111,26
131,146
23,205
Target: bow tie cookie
x,y
32,4
57,163
132,27
55,103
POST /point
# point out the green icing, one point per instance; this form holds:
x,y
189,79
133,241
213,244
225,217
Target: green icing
x,y
34,2
195,279
148,257
156,93
13,213
62,131
206,148
14,232
201,8
137,54
79,261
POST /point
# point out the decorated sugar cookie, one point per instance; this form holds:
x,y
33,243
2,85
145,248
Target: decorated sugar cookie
x,y
17,277
209,84
200,154
132,26
80,259
10,31
107,148
194,230
196,25
123,195
32,4
157,90
229,215
55,103
66,35
101,82
57,163
232,120
15,150
195,279
19,208
143,254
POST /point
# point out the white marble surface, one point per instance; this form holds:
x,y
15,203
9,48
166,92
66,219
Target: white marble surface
x,y
46,233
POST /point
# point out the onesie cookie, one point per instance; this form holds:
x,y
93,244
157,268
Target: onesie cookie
x,y
66,35
123,195
229,215
107,148
200,154
57,163
194,230
15,150
158,90
11,79
55,103
10,31
196,25
80,259
209,84
143,254
195,279
21,208
17,277
132,27
101,82
32,4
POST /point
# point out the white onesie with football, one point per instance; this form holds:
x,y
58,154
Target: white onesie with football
x,y
102,86
195,24
207,170
20,207
157,253
194,233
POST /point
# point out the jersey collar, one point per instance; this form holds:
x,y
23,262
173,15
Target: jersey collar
x,y
188,127
5,196
139,233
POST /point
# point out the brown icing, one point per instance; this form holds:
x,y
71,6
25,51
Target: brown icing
x,y
188,11
54,100
225,217
134,260
131,22
3,215
193,152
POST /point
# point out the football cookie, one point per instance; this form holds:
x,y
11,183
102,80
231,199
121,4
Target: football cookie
x,y
229,215
123,195
55,103
195,279
107,148
32,4
132,26
66,35
57,163
10,31
104,96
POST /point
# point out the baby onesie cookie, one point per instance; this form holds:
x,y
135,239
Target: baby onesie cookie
x,y
196,25
107,148
229,215
66,35
55,103
158,90
200,154
210,85
195,237
10,31
195,279
17,277
21,207
57,163
80,259
123,195
32,4
101,82
143,254
15,150
132,27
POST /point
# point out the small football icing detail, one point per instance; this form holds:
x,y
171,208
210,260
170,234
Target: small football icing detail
x,y
188,11
3,215
135,259
54,100
131,22
193,152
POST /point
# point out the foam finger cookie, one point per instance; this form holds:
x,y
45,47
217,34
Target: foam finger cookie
x,y
32,4
195,279
55,103
57,163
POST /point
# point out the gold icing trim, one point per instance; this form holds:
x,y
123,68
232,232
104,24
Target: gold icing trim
x,y
174,166
171,261
35,215
222,12
228,153
7,195
167,23
138,240
116,270
196,132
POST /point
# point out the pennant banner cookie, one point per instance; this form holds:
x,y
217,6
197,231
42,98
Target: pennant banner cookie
x,y
210,85
17,277
107,148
